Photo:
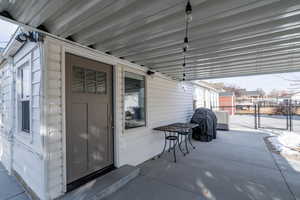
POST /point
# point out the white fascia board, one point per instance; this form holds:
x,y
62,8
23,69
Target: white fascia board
x,y
13,45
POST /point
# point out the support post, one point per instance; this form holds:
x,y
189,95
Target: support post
x,y
255,116
291,115
287,110
258,116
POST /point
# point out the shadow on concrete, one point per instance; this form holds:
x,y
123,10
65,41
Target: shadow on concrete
x,y
237,165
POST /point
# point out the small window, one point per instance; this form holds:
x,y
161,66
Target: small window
x,y
24,97
88,81
134,100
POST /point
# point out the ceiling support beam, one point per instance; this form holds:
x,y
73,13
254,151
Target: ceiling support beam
x,y
230,59
261,60
241,74
274,68
242,67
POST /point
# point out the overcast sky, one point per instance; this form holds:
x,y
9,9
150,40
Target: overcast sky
x,y
7,29
266,82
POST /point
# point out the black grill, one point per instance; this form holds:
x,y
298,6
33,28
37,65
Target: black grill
x,y
207,129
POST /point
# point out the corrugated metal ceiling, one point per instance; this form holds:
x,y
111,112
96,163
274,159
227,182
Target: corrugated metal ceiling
x,y
227,37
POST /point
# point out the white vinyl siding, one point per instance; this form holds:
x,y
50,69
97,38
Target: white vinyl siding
x,y
28,159
167,101
54,120
6,114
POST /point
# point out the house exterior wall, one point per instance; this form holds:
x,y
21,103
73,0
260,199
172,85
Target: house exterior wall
x,y
227,103
22,153
53,117
167,101
28,158
39,158
6,109
205,97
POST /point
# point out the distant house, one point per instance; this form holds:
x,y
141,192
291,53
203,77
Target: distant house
x,y
205,95
296,96
248,98
227,101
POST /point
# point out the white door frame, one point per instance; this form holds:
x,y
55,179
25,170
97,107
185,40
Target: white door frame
x,y
69,48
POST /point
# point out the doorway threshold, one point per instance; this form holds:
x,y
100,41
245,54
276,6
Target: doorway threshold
x,y
105,185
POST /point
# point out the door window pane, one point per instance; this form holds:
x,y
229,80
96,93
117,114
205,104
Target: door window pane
x,y
90,78
134,101
78,83
101,82
88,81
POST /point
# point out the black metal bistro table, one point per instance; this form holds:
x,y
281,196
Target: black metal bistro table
x,y
173,135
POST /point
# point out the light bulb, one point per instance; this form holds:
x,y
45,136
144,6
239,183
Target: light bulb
x,y
185,46
189,18
185,43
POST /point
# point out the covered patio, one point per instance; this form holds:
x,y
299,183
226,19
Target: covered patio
x,y
238,165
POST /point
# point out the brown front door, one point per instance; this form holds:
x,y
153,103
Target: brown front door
x,y
89,116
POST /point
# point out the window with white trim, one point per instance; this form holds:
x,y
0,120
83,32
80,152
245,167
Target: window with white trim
x,y
134,101
24,91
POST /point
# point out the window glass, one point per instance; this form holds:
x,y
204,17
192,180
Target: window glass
x,y
24,97
88,81
134,100
25,116
90,78
101,82
25,84
78,80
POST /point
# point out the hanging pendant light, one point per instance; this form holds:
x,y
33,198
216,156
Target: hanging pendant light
x,y
188,8
186,43
188,19
188,11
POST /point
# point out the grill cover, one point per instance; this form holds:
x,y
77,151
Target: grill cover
x,y
207,121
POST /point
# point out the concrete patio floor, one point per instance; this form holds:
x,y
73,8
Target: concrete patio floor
x,y
237,165
10,188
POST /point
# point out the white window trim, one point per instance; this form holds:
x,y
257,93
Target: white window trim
x,y
141,128
26,135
